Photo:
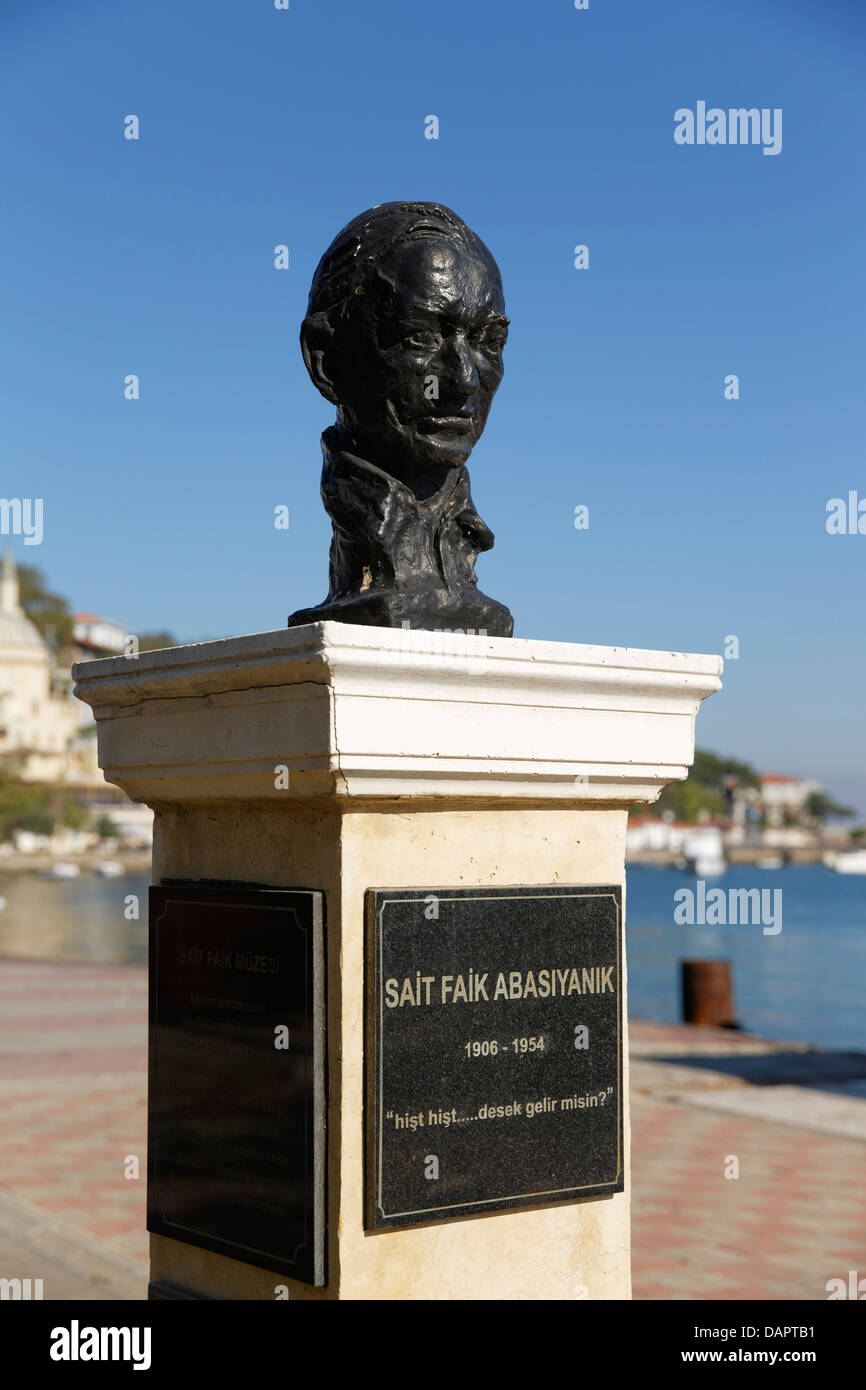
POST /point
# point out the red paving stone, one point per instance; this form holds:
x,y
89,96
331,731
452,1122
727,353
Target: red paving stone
x,y
795,1217
73,1050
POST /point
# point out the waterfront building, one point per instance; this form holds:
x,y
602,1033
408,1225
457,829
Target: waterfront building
x,y
785,798
46,735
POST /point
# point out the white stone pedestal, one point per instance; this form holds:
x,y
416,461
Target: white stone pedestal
x,y
346,758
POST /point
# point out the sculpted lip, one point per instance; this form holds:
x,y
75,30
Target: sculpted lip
x,y
453,424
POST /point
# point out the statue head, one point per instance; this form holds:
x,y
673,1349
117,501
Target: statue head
x,y
404,334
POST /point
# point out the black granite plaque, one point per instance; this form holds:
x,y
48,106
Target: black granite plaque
x,y
236,1111
494,1055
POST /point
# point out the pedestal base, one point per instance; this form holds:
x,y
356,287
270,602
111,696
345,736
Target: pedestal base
x,y
578,1250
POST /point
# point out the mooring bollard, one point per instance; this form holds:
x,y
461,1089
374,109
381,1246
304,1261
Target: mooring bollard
x,y
708,998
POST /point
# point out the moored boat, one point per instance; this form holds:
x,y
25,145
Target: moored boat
x,y
847,861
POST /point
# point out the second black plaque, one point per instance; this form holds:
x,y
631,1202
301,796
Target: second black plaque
x,y
237,1074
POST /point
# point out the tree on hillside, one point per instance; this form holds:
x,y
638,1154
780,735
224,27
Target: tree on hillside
x,y
706,791
819,807
23,806
153,641
712,771
49,612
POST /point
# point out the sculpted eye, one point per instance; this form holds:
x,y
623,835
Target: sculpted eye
x,y
492,336
421,338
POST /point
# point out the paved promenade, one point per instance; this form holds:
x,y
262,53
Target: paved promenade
x,y
73,1086
794,1119
72,1111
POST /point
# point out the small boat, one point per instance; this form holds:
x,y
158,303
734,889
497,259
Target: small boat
x,y
110,868
705,854
772,861
63,871
706,864
848,862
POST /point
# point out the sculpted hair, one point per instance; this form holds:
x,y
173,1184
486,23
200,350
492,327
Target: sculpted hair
x,y
363,243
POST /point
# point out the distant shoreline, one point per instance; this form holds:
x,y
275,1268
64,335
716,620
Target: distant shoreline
x,y
139,861
741,854
134,861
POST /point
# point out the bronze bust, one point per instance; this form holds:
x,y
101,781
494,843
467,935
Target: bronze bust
x,y
404,334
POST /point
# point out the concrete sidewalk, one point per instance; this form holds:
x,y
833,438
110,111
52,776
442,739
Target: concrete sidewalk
x,y
72,1112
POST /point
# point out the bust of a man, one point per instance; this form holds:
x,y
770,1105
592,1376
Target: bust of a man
x,y
404,335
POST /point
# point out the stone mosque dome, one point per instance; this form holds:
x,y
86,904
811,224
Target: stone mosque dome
x,y
16,630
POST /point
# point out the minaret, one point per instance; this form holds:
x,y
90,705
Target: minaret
x,y
9,587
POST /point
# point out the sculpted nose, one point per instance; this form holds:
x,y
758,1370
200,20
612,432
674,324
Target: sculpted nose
x,y
460,365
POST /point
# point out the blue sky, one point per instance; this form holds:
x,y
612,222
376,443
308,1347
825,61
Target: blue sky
x,y
261,127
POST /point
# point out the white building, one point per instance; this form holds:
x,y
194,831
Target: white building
x,y
780,794
648,835
97,635
38,716
43,729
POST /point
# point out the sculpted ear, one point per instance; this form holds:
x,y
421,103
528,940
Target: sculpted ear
x,y
317,345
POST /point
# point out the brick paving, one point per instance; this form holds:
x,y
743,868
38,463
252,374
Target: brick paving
x,y
73,1088
796,1215
72,1109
